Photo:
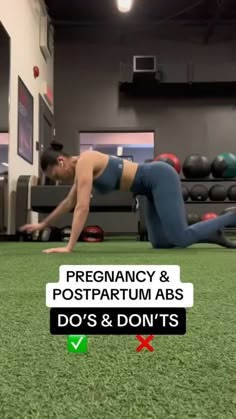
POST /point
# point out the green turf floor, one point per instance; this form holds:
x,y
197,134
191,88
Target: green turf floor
x,y
191,376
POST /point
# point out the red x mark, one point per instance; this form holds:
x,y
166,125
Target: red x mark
x,y
145,343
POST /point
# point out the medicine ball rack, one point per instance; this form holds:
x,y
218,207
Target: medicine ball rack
x,y
209,180
208,201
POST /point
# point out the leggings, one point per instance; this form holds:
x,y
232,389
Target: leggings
x,y
165,213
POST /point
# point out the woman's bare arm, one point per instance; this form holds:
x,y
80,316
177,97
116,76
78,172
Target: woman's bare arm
x,y
65,206
84,175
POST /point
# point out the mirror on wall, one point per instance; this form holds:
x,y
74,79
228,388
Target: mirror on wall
x,y
4,98
134,146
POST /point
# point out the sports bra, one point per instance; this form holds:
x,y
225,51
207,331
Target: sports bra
x,y
110,178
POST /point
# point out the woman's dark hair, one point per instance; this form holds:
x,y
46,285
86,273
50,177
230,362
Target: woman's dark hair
x,y
49,156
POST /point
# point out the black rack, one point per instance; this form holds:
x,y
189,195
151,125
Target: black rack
x,y
209,202
226,201
209,180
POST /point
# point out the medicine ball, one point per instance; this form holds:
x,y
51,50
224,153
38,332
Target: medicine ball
x,y
224,166
218,193
199,193
92,234
209,216
170,159
185,192
232,193
193,218
196,166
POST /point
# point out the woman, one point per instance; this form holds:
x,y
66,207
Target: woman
x,y
164,205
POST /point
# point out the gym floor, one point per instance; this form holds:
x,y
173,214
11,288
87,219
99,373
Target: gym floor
x,y
190,376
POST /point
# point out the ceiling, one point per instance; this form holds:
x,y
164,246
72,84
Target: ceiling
x,y
212,16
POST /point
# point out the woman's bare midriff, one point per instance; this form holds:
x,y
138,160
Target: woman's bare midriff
x,y
128,175
100,162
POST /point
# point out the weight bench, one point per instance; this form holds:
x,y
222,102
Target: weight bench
x,y
44,199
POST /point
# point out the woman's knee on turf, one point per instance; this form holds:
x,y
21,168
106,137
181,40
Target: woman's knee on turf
x,y
179,239
160,245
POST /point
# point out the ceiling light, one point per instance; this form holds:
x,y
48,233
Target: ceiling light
x,y
124,6
5,164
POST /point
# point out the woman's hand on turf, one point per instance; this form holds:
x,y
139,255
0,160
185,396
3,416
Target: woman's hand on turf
x,y
58,250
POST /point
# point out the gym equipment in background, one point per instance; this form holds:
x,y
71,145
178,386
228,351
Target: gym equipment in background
x,y
224,166
23,200
193,218
170,159
44,199
186,192
52,234
48,234
209,216
196,166
65,234
120,205
92,234
232,193
199,193
217,193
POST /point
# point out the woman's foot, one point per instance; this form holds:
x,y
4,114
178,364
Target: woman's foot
x,y
220,239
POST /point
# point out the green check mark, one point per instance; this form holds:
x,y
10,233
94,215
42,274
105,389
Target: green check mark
x,y
77,344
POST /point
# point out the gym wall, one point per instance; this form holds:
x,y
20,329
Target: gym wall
x,y
87,67
21,21
87,76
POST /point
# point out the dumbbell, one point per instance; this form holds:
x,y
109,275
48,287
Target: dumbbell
x,y
65,234
51,234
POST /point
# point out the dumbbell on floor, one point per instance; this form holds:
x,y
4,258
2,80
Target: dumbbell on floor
x,y
65,234
89,234
50,234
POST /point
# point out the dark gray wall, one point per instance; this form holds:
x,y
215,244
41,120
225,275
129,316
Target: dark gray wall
x,y
4,78
87,72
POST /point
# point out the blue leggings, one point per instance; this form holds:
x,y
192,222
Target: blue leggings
x,y
165,213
